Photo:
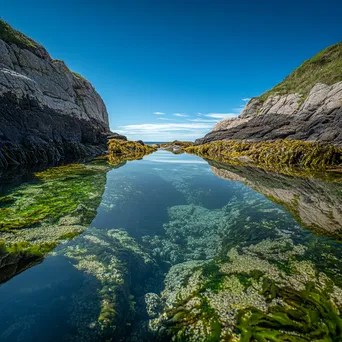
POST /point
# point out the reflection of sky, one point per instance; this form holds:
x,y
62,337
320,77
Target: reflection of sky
x,y
162,156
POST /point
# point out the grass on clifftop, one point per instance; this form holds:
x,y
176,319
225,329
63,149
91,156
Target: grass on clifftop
x,y
79,76
10,35
325,67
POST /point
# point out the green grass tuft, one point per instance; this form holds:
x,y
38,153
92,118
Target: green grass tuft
x,y
325,67
10,35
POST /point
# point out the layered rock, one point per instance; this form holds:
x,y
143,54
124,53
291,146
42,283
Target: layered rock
x,y
307,105
315,203
47,112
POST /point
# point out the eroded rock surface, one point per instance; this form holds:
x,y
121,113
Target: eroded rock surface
x,y
318,118
47,112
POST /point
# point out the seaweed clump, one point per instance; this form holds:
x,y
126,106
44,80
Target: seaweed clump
x,y
284,156
122,150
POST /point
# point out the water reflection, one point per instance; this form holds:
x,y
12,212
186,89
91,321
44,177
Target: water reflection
x,y
173,252
315,203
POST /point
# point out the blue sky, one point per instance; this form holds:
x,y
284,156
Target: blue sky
x,y
194,61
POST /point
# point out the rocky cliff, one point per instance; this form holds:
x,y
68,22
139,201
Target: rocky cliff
x,y
47,112
307,105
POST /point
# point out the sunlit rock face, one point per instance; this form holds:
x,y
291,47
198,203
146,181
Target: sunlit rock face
x,y
306,105
47,112
55,206
318,118
315,203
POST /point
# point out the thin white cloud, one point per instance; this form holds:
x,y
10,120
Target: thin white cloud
x,y
246,99
165,131
221,115
180,114
163,119
203,120
165,127
158,113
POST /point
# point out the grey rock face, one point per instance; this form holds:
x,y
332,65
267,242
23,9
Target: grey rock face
x,y
318,118
50,83
48,114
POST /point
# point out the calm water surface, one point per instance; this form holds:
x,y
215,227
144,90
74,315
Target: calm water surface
x,y
171,248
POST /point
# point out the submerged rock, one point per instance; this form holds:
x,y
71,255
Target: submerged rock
x,y
56,206
119,270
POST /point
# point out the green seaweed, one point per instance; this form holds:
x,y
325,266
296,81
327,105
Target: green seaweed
x,y
55,193
293,157
306,316
126,150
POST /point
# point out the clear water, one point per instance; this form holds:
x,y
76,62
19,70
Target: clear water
x,y
175,249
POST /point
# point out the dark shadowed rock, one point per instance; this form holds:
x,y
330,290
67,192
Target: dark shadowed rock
x,y
48,113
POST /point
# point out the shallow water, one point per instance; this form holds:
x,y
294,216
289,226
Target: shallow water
x,y
171,248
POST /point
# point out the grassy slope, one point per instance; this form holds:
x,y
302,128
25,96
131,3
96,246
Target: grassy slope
x,y
325,67
9,35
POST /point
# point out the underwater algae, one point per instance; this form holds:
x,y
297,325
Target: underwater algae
x,y
56,206
262,284
118,267
241,269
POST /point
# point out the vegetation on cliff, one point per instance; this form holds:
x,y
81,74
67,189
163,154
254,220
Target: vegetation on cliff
x,y
10,35
279,155
122,150
325,67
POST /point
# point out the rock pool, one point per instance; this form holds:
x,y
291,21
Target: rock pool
x,y
170,248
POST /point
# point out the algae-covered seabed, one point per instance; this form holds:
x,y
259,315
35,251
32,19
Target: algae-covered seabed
x,y
169,248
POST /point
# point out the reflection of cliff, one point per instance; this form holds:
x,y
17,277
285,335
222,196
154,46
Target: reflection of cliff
x,y
57,205
316,204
